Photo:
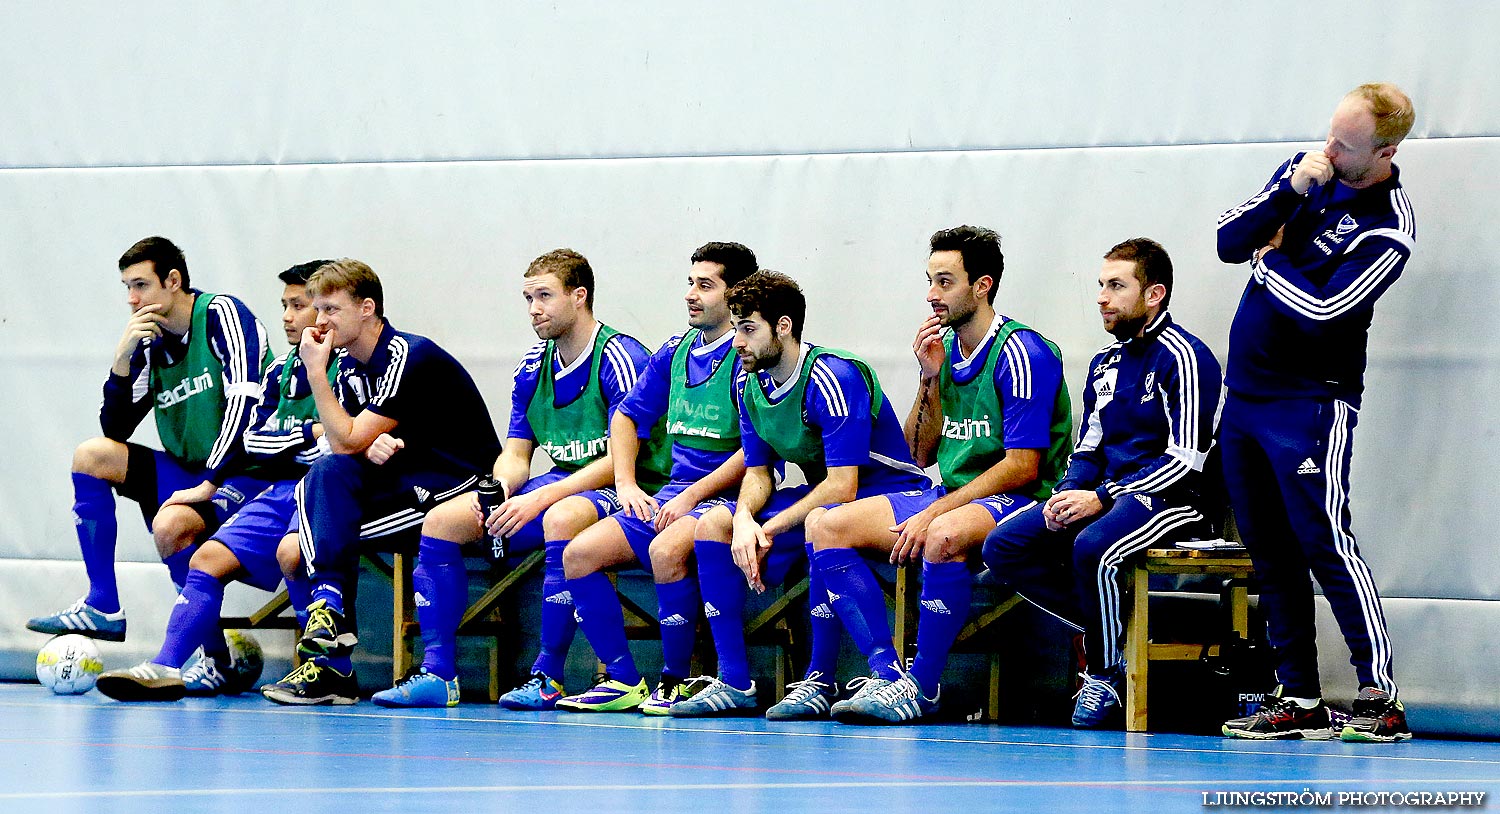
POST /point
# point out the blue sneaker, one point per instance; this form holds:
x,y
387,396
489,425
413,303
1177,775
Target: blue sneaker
x,y
422,689
863,687
202,677
540,693
806,700
717,698
896,702
83,619
1098,700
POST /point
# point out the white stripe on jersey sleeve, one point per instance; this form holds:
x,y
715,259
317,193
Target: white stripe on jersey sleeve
x,y
828,385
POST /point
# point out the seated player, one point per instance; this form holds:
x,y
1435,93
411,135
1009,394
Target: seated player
x,y
1137,478
824,411
420,439
566,389
689,383
197,359
283,437
992,412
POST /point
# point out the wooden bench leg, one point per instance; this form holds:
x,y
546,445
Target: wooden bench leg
x,y
403,615
1137,652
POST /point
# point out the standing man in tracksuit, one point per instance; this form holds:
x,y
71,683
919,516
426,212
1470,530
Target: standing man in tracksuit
x,y
1327,236
1139,475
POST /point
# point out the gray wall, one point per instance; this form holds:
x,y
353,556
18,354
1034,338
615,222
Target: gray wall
x,y
448,148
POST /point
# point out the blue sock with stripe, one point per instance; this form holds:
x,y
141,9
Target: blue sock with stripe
x,y
677,608
194,619
603,623
442,592
825,631
947,593
860,606
558,622
94,523
724,593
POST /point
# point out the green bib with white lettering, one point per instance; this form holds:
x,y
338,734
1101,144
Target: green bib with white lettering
x,y
292,412
973,434
702,416
576,434
189,395
782,424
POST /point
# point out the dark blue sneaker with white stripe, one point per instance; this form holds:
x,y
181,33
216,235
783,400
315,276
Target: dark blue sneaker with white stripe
x,y
717,698
896,702
83,619
1098,700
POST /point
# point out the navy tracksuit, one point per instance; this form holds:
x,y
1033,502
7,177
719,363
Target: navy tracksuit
x,y
1295,377
1150,410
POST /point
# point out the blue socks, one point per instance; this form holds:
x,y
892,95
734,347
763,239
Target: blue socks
x,y
329,594
825,631
603,622
558,621
442,589
195,618
724,594
177,566
677,608
94,522
861,607
299,593
946,595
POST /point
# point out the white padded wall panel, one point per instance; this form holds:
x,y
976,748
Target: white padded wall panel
x,y
166,83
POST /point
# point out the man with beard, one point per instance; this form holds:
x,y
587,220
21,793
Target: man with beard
x,y
824,411
689,383
1325,238
992,412
566,391
1138,476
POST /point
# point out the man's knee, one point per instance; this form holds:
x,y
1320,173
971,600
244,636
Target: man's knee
x,y
454,521
716,525
823,528
289,556
564,519
102,458
671,550
176,527
949,540
215,559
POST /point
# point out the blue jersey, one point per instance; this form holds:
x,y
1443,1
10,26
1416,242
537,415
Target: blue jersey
x,y
1302,327
624,359
647,401
439,411
837,402
1151,412
237,340
1026,379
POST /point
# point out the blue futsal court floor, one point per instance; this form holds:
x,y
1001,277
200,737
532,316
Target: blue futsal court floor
x,y
88,753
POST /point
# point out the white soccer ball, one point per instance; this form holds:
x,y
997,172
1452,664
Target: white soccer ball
x,y
69,664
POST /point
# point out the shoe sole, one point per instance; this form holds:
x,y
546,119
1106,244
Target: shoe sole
x,y
1355,736
797,716
392,704
101,635
122,688
1295,734
865,719
618,705
299,701
514,707
331,648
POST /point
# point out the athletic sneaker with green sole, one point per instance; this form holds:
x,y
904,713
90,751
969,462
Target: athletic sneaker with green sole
x,y
1377,718
607,695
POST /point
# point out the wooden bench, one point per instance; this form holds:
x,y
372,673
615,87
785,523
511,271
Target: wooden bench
x,y
1233,564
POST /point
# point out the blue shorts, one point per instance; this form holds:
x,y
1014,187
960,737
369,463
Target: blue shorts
x,y
254,532
788,548
1000,507
530,537
172,476
639,533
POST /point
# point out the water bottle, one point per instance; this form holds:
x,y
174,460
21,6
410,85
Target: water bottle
x,y
491,494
